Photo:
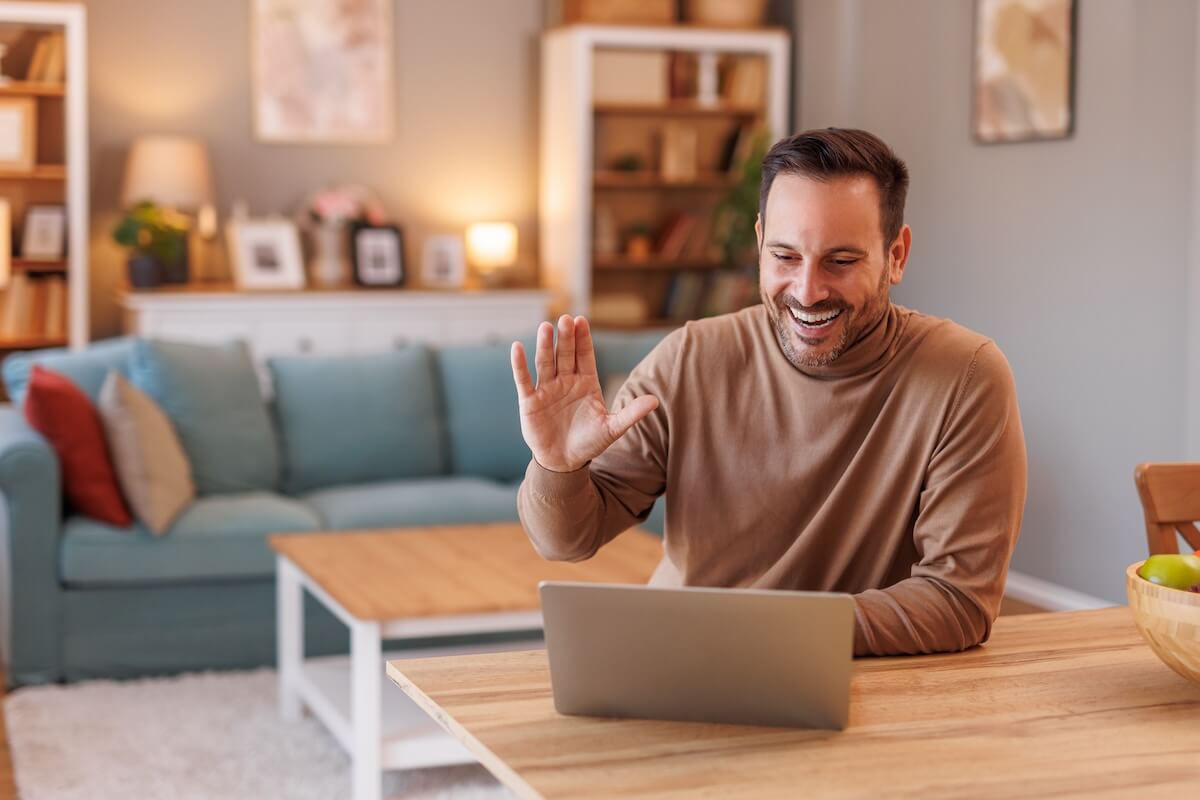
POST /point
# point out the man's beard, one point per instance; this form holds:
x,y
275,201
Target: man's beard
x,y
856,323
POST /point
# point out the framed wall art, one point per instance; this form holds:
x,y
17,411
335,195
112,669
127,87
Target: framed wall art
x,y
1024,72
44,234
322,70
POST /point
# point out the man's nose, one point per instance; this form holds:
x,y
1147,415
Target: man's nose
x,y
808,284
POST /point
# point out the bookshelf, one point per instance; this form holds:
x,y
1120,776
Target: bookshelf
x,y
644,130
44,300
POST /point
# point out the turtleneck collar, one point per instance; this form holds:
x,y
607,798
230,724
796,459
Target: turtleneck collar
x,y
866,356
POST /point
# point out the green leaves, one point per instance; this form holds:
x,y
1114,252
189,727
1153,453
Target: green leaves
x,y
147,228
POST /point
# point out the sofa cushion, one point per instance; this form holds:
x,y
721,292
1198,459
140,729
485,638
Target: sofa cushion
x,y
87,368
60,411
223,537
211,395
442,501
618,352
351,419
483,422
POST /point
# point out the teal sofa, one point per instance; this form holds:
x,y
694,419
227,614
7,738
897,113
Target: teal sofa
x,y
88,600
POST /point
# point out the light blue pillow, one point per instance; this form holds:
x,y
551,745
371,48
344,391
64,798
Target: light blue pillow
x,y
353,419
87,369
211,395
483,419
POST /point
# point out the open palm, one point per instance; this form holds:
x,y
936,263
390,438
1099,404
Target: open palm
x,y
563,418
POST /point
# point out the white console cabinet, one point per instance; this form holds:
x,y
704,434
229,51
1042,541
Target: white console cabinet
x,y
335,322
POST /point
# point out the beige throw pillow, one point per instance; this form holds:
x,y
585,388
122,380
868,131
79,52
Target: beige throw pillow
x,y
152,469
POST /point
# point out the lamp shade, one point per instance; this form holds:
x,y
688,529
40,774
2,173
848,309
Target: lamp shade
x,y
492,245
169,171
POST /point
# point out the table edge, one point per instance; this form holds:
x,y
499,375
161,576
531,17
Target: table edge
x,y
492,762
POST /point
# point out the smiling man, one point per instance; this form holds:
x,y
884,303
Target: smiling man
x,y
824,440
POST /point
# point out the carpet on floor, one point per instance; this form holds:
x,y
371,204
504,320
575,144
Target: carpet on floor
x,y
201,736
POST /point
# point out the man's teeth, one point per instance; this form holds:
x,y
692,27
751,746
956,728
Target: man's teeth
x,y
814,319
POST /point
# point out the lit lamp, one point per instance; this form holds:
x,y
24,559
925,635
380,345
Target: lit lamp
x,y
172,172
492,249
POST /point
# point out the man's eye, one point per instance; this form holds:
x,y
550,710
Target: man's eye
x,y
844,262
784,257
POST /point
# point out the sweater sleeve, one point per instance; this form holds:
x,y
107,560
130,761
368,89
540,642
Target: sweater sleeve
x,y
569,516
968,519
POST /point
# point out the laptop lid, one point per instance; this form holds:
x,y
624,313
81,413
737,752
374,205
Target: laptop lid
x,y
749,656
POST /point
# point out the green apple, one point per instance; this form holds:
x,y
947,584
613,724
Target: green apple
x,y
1174,571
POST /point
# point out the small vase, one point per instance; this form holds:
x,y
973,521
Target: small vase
x,y
329,266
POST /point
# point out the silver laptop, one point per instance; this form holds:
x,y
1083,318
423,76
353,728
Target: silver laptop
x,y
749,656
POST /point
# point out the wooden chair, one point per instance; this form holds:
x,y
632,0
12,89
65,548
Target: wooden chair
x,y
1170,496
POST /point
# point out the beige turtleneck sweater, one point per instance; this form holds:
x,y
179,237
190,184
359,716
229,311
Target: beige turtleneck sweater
x,y
897,474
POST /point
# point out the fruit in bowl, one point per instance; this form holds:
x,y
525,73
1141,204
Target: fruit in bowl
x,y
1168,616
1174,571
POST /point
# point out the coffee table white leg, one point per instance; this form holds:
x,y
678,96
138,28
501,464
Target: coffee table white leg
x,y
289,636
366,675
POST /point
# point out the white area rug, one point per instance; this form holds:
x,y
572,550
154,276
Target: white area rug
x,y
201,736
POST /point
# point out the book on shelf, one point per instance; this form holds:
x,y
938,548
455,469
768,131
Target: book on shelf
x,y
684,296
730,290
49,62
746,81
673,235
630,76
738,147
34,308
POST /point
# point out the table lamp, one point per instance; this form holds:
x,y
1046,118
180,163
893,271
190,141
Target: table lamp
x,y
172,172
492,249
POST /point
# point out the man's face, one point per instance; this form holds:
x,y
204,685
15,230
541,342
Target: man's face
x,y
824,269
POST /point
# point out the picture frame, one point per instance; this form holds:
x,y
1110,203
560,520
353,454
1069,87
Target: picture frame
x,y
44,233
377,255
265,254
444,262
18,134
1023,87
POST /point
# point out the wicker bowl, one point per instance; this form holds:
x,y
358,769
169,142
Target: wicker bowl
x,y
1169,620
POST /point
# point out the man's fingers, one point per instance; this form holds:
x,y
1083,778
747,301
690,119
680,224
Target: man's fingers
x,y
543,356
520,370
566,345
632,414
585,351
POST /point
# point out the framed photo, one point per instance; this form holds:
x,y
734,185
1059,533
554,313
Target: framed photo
x,y
18,134
45,233
1023,88
265,254
444,262
377,253
322,71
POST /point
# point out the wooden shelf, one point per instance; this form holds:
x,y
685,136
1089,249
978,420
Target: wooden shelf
x,y
31,343
706,181
33,265
678,108
655,263
33,89
40,172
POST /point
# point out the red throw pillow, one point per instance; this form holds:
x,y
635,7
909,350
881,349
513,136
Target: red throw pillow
x,y
60,411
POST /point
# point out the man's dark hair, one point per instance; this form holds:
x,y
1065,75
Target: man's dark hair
x,y
836,152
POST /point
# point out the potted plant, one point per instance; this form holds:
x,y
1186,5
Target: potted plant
x,y
157,239
739,209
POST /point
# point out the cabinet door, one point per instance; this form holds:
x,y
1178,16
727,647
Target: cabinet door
x,y
382,330
296,336
199,327
491,322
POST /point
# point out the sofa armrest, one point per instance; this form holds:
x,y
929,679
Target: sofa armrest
x,y
30,482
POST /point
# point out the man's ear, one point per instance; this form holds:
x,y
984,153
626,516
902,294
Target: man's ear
x,y
758,230
898,255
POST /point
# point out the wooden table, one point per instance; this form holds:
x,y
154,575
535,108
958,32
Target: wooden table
x,y
405,584
1055,705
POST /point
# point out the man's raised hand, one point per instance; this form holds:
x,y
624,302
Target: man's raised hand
x,y
563,418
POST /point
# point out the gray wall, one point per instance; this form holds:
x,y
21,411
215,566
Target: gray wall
x,y
1072,255
465,144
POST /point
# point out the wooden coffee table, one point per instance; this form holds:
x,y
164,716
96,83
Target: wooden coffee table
x,y
406,584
